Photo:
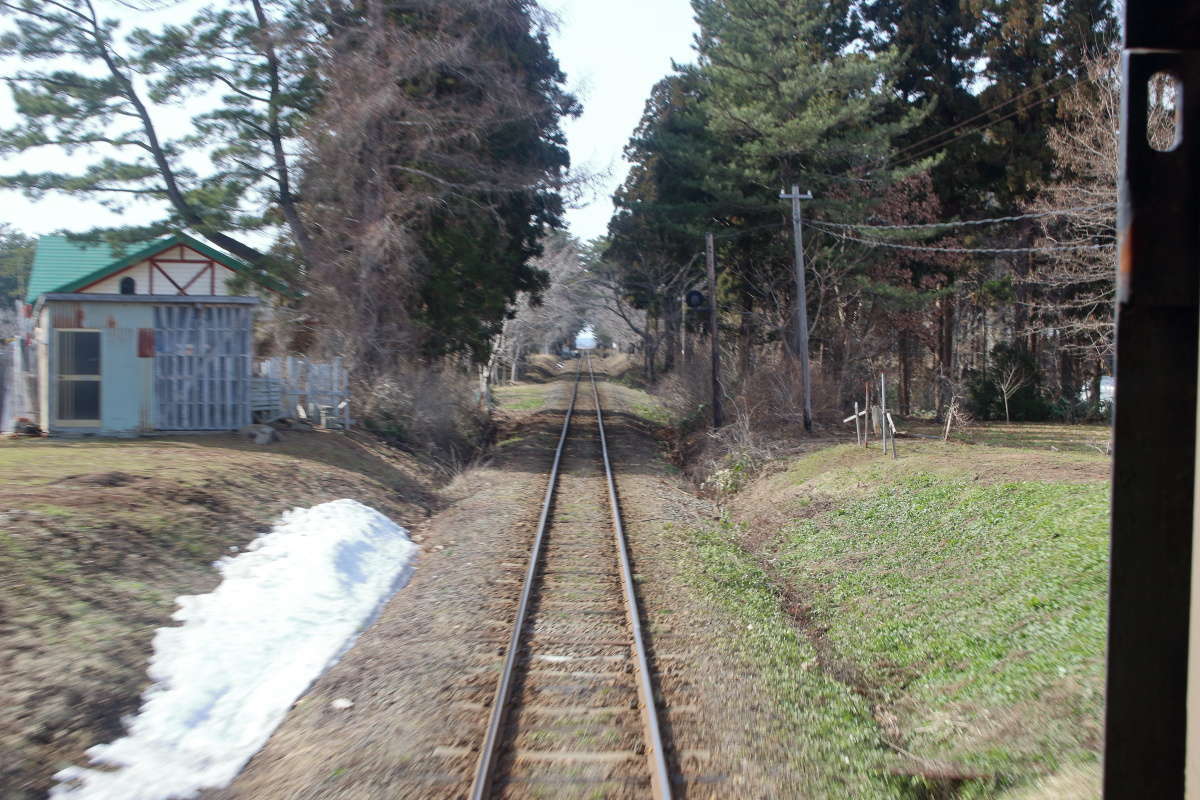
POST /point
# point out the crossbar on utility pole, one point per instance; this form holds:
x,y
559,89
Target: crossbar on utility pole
x,y
711,259
800,343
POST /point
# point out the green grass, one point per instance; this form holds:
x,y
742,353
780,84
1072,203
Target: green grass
x,y
1084,437
974,612
652,412
522,397
836,746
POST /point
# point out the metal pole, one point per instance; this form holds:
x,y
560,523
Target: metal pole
x,y
711,258
800,345
1147,742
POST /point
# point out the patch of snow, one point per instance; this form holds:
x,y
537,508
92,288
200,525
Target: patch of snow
x,y
287,608
342,703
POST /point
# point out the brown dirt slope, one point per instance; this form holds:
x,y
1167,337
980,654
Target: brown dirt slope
x,y
98,538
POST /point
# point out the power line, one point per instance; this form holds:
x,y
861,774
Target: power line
x,y
967,222
925,249
977,129
983,113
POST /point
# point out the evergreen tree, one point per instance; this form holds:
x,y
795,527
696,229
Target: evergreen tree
x,y
797,94
437,161
657,228
16,257
108,106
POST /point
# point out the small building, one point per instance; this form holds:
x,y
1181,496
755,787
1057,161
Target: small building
x,y
151,339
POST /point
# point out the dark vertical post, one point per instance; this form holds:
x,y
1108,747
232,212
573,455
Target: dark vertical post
x,y
1154,456
711,259
800,344
883,413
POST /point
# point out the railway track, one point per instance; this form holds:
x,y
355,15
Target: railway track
x,y
573,713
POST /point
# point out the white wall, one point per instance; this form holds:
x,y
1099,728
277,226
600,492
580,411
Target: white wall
x,y
180,273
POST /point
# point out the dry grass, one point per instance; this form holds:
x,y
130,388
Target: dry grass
x,y
98,538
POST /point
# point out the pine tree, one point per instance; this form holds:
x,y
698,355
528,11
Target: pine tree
x,y
801,99
656,230
109,104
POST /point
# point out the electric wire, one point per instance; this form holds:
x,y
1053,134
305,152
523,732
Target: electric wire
x,y
927,249
1056,212
981,114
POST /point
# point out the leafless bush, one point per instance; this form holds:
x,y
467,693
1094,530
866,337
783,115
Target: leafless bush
x,y
430,409
763,415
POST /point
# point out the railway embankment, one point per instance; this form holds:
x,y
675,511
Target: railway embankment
x,y
831,624
956,595
99,537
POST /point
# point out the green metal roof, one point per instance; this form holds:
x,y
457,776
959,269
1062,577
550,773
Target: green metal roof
x,y
61,265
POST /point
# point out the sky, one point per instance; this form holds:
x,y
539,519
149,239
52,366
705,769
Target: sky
x,y
612,52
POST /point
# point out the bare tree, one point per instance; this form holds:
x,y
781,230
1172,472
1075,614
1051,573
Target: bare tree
x,y
1009,384
403,135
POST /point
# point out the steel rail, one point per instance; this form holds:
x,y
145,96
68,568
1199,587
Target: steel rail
x,y
660,781
484,770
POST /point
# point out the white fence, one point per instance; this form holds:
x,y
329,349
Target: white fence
x,y
18,383
316,391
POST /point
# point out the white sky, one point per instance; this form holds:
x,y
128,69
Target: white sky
x,y
612,52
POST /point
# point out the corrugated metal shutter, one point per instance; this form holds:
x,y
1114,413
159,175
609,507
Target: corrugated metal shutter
x,y
202,367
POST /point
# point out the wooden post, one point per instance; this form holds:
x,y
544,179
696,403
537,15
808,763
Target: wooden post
x,y
883,412
867,423
857,427
711,259
892,426
800,345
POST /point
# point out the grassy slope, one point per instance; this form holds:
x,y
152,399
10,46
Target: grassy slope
x,y
964,605
98,538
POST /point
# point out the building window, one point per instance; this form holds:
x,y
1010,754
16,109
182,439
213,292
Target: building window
x,y
128,286
79,376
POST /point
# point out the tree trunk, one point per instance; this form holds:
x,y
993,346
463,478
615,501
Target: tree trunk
x,y
670,337
1066,375
746,335
945,354
904,344
649,352
1094,399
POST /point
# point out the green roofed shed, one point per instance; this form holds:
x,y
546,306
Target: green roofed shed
x,y
63,265
152,336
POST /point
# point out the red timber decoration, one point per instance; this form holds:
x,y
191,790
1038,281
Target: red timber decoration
x,y
208,268
194,275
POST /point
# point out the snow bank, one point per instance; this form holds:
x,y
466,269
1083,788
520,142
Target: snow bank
x,y
286,609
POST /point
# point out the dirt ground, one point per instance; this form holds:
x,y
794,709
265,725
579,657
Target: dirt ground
x,y
99,537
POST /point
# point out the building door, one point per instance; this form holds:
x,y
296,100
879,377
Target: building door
x,y
77,378
201,367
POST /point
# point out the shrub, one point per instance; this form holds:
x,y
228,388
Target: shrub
x,y
985,397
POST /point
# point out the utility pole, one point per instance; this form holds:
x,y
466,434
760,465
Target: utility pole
x,y
712,329
800,343
683,327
